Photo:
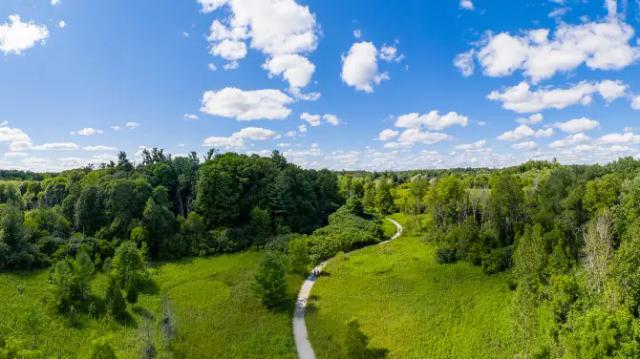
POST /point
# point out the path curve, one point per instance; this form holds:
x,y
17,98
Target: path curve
x,y
303,345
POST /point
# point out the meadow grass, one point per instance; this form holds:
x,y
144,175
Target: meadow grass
x,y
412,306
215,312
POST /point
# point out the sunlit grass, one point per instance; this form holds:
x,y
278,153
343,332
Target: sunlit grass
x,y
215,311
412,306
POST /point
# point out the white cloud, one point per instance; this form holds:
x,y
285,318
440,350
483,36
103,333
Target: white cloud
x,y
313,120
413,136
296,69
87,131
208,5
316,120
432,120
212,67
238,139
331,119
18,140
526,146
466,4
570,140
360,67
246,105
522,99
540,54
302,128
519,133
464,62
115,128
357,33
635,103
229,50
388,134
619,138
99,148
544,132
531,120
55,2
233,65
283,30
132,125
62,24
17,36
472,146
190,117
390,53
56,146
577,125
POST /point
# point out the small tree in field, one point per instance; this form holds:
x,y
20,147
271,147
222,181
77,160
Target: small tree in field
x,y
100,349
116,305
271,283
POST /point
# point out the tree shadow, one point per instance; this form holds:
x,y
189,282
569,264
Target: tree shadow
x,y
143,312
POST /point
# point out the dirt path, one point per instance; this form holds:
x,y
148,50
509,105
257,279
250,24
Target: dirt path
x,y
303,345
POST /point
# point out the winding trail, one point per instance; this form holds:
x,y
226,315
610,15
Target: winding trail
x,y
303,345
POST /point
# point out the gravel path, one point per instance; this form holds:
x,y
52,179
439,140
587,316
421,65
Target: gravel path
x,y
303,345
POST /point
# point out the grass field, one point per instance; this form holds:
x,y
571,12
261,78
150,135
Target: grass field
x,y
216,314
412,306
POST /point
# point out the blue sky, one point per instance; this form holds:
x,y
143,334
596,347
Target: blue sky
x,y
339,84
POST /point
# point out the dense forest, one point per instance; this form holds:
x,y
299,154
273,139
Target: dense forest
x,y
569,236
172,207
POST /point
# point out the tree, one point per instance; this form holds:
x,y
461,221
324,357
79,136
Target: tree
x,y
101,349
128,270
271,282
384,199
597,252
114,300
88,211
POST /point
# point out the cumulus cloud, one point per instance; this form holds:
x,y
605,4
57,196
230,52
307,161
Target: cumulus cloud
x,y
570,140
17,36
360,67
523,131
99,148
388,134
472,146
635,103
432,120
316,120
56,146
577,125
464,62
531,120
619,138
190,117
414,136
390,54
283,30
467,5
132,125
526,146
246,105
238,139
87,131
540,54
522,99
18,140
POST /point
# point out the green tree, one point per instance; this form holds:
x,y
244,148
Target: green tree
x,y
116,305
271,281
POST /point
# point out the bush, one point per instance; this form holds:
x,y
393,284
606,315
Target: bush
x,y
446,254
100,349
497,260
271,283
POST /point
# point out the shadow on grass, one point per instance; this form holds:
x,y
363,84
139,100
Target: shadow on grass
x,y
143,312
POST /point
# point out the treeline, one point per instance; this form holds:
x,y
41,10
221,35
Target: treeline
x,y
169,207
568,235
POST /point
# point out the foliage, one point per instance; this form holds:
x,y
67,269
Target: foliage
x,y
271,284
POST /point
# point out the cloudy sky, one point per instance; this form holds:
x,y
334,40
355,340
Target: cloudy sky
x,y
331,83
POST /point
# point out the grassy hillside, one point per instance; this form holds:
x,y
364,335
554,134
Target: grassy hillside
x,y
412,306
215,311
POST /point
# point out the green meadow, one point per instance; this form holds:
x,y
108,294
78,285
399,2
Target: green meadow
x,y
214,309
411,306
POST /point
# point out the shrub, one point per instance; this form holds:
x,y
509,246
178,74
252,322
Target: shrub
x,y
497,260
446,254
271,283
